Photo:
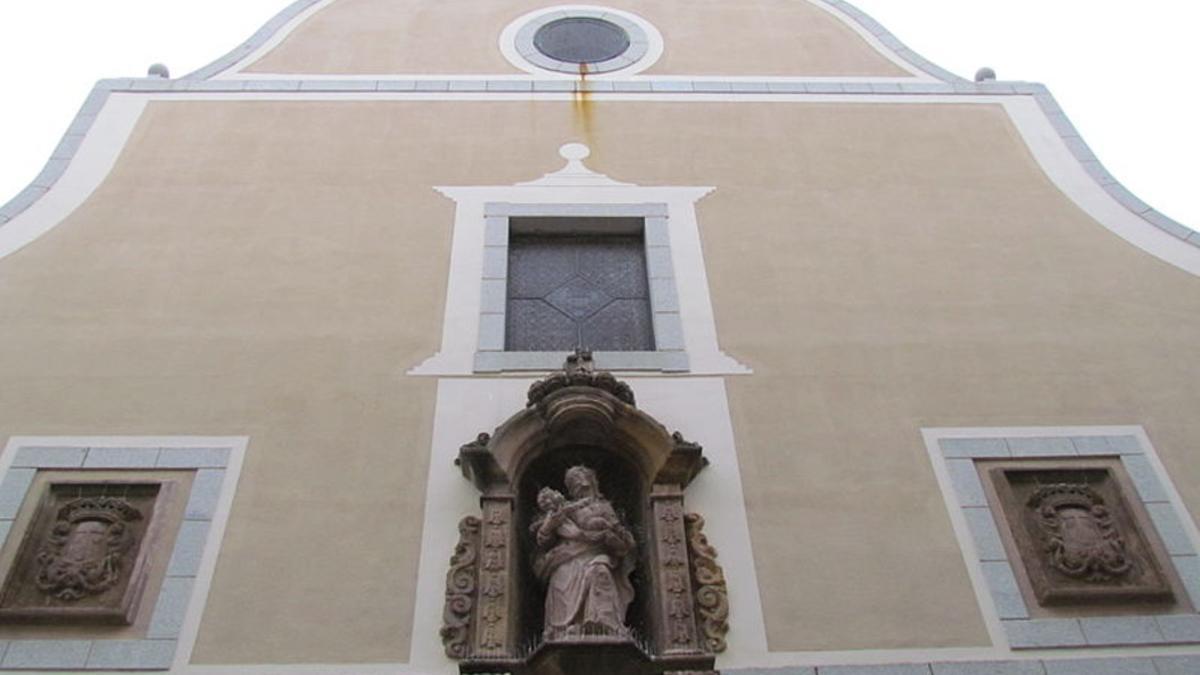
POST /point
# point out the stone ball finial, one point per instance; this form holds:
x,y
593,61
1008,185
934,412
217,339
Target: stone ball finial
x,y
158,70
985,74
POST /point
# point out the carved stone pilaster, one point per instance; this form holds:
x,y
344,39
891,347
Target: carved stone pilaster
x,y
676,632
708,584
461,590
493,631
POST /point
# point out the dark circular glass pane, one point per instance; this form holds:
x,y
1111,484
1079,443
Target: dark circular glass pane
x,y
581,40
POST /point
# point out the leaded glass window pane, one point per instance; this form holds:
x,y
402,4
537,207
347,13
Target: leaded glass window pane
x,y
568,291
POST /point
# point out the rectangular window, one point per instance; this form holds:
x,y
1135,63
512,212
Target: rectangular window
x,y
557,277
578,283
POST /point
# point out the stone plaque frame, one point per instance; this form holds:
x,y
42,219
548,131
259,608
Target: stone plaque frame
x,y
119,604
1010,485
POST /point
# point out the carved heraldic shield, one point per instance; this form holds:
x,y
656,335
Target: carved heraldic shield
x,y
85,551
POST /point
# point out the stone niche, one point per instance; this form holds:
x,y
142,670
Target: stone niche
x,y
83,558
1081,535
583,558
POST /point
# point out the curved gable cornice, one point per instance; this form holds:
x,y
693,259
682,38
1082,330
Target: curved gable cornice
x,y
14,235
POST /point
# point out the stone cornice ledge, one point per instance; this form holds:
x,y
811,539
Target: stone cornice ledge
x,y
1072,665
67,147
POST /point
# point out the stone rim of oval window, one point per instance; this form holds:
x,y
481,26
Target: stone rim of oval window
x,y
581,41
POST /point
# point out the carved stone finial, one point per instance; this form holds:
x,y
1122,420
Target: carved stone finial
x,y
985,74
579,362
708,582
1081,538
579,370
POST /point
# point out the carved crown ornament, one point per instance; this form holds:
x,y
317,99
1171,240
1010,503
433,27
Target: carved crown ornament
x,y
583,558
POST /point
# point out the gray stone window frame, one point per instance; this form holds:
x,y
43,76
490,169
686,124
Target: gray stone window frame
x,y
639,43
669,355
1022,629
156,651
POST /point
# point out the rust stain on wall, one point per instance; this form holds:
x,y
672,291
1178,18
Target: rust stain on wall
x,y
583,108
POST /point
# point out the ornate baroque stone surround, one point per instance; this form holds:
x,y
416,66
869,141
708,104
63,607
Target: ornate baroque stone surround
x,y
583,418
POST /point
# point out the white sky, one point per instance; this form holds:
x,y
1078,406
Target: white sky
x,y
1123,71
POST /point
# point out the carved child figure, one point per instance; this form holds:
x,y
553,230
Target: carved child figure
x,y
584,558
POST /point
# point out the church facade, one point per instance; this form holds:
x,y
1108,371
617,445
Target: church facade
x,y
650,337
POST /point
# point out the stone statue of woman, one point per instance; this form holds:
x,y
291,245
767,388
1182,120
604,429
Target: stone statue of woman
x,y
585,555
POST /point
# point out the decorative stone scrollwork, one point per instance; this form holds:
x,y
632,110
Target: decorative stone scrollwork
x,y
458,615
84,553
1081,538
708,583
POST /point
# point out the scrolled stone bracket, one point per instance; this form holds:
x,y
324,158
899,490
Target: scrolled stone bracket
x,y
458,617
708,585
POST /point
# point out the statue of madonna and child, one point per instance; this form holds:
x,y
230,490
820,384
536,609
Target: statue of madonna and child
x,y
584,558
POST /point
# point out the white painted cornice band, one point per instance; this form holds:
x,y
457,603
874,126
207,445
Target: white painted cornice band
x,y
275,30
61,158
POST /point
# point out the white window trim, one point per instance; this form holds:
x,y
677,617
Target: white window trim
x,y
479,249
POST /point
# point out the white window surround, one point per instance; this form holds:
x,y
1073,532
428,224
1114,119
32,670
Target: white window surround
x,y
179,601
954,452
473,327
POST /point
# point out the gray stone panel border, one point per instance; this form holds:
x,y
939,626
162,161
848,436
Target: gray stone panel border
x,y
1114,665
670,353
1023,632
949,84
157,650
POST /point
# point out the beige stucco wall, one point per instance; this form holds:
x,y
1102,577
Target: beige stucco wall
x,y
702,37
271,268
240,273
